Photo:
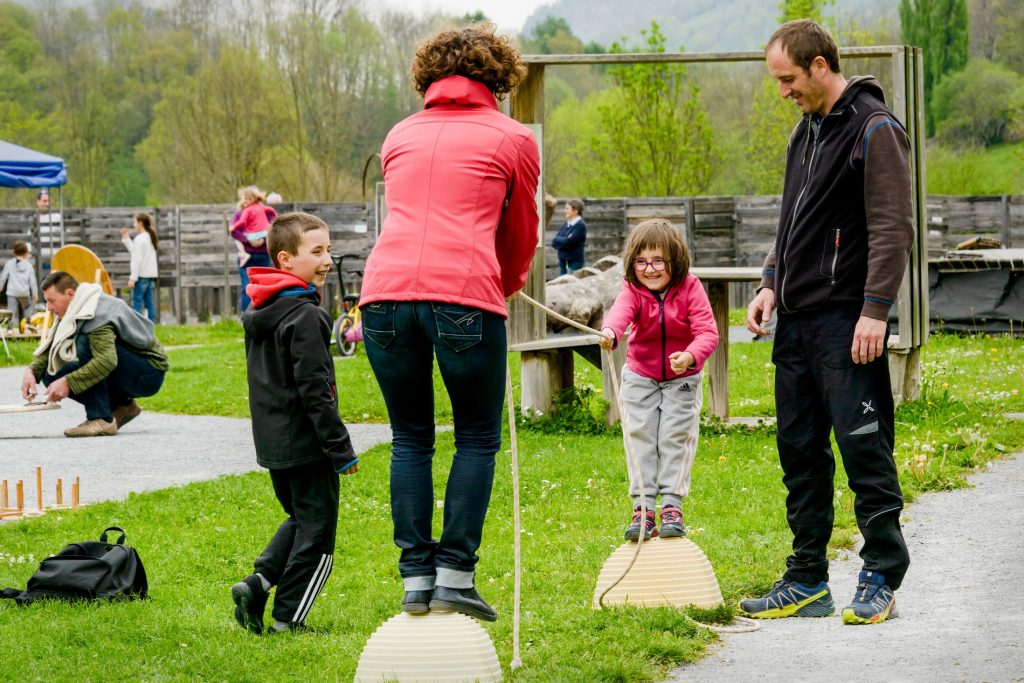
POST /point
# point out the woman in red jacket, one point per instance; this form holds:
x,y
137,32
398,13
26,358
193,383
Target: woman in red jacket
x,y
460,183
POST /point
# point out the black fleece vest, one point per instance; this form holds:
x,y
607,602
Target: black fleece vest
x,y
821,245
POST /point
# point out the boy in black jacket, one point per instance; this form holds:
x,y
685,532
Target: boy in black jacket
x,y
295,424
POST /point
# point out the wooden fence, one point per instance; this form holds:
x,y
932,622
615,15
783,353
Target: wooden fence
x,y
198,260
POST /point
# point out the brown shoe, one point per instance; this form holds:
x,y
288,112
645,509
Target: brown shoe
x,y
95,427
126,413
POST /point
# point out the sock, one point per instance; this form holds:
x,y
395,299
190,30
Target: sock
x,y
263,581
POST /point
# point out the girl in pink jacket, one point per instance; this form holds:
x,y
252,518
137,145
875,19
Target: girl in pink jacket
x,y
672,334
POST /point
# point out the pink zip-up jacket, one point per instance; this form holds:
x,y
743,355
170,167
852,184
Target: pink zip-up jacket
x,y
681,321
460,181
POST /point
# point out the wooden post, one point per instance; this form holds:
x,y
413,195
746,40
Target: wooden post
x,y
607,377
225,296
156,281
39,487
75,490
1005,233
526,323
20,495
60,493
5,500
178,294
718,364
541,376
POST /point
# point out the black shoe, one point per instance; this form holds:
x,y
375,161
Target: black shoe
x,y
296,627
417,602
464,600
250,601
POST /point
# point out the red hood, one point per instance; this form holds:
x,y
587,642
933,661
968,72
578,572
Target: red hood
x,y
460,91
266,283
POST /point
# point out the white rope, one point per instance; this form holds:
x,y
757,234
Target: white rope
x,y
517,530
745,626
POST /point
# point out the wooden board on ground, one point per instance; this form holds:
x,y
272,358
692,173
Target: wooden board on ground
x,y
82,264
28,407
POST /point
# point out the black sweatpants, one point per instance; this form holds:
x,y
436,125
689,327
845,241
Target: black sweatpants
x,y
819,388
300,556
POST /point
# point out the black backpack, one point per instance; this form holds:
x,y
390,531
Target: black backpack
x,y
89,570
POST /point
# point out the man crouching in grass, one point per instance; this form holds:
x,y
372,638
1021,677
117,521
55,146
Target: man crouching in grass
x,y
298,433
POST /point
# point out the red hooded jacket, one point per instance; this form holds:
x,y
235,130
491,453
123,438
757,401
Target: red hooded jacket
x,y
460,181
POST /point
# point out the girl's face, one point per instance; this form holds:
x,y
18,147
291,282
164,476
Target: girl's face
x,y
652,270
139,227
570,212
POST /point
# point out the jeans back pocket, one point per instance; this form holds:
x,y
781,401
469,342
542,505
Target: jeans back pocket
x,y
458,326
379,322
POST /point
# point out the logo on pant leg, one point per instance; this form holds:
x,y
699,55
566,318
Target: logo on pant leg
x,y
867,407
683,387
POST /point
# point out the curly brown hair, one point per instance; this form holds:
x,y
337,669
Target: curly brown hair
x,y
474,52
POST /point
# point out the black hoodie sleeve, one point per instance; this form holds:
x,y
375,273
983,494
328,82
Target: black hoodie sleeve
x,y
313,372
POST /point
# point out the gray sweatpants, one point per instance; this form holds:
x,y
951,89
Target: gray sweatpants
x,y
663,420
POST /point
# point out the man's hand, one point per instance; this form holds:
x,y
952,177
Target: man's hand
x,y
607,339
29,391
760,310
680,361
868,339
58,390
351,469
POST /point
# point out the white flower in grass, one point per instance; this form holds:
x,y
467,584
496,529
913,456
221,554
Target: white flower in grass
x,y
440,504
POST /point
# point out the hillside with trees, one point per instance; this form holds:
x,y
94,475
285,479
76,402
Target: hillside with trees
x,y
185,101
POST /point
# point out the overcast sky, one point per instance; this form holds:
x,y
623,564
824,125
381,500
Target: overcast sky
x,y
509,15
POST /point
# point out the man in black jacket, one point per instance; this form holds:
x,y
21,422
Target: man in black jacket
x,y
298,433
842,246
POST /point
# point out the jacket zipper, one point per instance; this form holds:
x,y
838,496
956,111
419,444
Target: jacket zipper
x,y
796,204
661,321
835,257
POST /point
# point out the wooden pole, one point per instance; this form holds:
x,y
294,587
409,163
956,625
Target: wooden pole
x,y
20,495
75,489
39,487
60,493
6,500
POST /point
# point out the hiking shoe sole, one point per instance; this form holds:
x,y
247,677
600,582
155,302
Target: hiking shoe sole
x,y
851,617
245,608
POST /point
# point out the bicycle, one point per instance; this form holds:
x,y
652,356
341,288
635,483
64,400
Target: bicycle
x,y
348,328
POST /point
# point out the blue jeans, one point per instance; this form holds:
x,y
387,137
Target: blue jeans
x,y
401,340
133,377
142,295
261,260
567,267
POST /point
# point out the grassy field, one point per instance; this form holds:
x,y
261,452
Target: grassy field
x,y
993,170
198,539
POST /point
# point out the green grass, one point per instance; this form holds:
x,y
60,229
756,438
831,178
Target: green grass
x,y
993,170
198,539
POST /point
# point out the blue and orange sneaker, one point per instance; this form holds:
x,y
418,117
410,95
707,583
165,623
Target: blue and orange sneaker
x,y
790,599
873,602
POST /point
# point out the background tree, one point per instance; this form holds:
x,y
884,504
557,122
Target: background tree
x,y
655,139
976,106
940,27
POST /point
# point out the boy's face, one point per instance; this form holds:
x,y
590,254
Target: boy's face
x,y
312,262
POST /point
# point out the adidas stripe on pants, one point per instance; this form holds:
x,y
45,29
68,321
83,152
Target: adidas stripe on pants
x,y
300,556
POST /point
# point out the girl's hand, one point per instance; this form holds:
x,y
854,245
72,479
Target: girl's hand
x,y
125,232
607,339
680,361
131,284
257,243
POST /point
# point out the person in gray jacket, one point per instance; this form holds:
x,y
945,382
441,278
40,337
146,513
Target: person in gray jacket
x,y
19,278
844,237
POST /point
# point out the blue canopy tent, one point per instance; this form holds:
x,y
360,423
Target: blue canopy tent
x,y
21,167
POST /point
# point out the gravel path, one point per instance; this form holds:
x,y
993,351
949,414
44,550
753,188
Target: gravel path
x,y
961,614
155,451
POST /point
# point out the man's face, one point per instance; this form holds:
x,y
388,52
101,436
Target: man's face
x,y
43,202
806,88
57,301
313,262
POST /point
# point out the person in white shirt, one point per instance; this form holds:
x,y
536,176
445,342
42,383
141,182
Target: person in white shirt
x,y
143,265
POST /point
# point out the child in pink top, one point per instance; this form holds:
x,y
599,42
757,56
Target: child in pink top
x,y
672,334
254,220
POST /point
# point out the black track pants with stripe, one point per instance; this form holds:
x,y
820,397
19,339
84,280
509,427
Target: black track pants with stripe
x,y
300,556
818,388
